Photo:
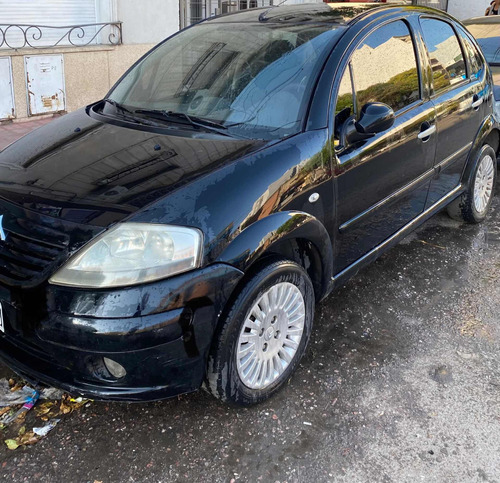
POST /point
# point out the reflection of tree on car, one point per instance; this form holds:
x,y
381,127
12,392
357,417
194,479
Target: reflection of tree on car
x,y
394,92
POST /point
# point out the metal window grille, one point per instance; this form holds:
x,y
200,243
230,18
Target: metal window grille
x,y
193,11
17,36
440,4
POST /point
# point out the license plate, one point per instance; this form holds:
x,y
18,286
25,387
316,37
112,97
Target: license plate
x,y
2,326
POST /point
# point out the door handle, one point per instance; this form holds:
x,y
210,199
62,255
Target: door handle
x,y
428,132
476,102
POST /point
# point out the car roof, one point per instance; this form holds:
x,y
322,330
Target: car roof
x,y
335,13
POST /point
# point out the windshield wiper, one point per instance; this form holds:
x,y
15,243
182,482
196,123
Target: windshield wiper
x,y
128,114
118,106
177,116
197,120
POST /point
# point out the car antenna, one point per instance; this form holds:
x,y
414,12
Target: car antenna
x,y
262,16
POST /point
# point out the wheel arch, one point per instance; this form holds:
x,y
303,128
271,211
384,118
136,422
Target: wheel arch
x,y
293,235
493,139
488,133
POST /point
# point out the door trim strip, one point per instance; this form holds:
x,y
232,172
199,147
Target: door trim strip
x,y
451,157
387,199
393,238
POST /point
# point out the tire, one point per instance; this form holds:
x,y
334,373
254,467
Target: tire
x,y
236,377
473,205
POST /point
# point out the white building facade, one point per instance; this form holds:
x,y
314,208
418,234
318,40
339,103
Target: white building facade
x,y
463,9
59,55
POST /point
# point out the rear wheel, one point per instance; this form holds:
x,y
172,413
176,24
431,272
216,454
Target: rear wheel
x,y
473,205
263,336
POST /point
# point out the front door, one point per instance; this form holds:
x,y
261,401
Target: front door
x,y
383,181
460,101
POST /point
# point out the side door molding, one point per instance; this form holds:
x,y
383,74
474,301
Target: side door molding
x,y
387,200
348,272
442,164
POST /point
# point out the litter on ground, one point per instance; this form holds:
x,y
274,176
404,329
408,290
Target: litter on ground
x,y
17,400
44,430
11,398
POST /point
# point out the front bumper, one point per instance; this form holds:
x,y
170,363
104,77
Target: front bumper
x,y
160,333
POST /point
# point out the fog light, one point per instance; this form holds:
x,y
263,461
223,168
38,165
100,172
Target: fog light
x,y
115,369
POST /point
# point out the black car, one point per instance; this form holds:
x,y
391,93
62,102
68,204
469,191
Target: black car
x,y
180,232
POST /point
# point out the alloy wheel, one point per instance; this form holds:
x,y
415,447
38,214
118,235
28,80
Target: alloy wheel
x,y
270,335
483,184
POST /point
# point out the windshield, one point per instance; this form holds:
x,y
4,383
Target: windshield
x,y
254,79
488,38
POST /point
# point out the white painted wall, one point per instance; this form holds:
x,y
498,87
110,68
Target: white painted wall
x,y
6,92
463,9
148,21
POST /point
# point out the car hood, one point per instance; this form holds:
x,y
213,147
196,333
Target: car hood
x,y
92,172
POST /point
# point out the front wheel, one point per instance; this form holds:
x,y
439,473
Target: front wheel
x,y
473,205
263,336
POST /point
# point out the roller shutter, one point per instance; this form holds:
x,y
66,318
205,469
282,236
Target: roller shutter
x,y
46,13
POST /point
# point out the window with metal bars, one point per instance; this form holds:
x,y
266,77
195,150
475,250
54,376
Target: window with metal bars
x,y
440,4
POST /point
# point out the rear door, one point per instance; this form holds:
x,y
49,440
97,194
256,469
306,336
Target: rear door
x,y
382,182
460,100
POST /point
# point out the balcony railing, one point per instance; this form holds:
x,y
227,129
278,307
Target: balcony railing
x,y
18,36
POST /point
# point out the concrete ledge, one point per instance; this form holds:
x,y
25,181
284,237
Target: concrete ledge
x,y
58,50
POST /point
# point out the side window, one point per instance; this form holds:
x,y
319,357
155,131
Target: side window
x,y
475,62
447,60
385,68
345,103
345,98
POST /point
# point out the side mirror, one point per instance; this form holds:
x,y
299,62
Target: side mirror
x,y
374,118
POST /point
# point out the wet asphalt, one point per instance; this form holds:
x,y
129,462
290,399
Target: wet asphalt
x,y
401,383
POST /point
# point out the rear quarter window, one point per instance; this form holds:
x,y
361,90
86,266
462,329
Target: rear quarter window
x,y
476,64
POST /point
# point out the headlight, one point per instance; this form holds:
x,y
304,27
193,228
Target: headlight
x,y
132,253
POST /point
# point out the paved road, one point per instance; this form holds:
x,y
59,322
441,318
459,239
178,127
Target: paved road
x,y
13,131
401,383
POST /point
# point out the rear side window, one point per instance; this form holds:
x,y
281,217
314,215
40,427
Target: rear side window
x,y
447,60
476,65
385,68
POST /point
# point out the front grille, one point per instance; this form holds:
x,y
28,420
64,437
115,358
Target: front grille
x,y
33,244
23,258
